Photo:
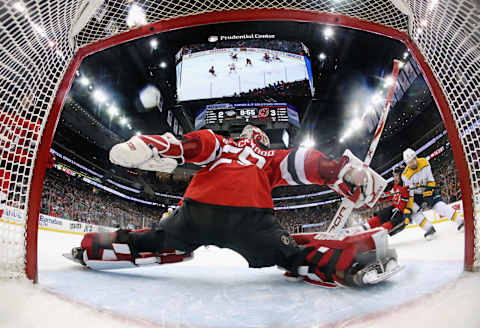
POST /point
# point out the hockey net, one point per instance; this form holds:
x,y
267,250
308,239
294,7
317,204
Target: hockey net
x,y
43,42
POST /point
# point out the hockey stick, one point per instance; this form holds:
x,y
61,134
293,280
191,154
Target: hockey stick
x,y
347,206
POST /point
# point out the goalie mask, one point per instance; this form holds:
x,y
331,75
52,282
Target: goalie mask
x,y
257,134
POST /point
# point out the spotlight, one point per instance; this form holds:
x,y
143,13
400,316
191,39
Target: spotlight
x,y
154,44
20,7
328,33
113,111
307,143
100,96
84,81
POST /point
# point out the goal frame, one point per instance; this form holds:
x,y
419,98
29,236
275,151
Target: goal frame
x,y
231,16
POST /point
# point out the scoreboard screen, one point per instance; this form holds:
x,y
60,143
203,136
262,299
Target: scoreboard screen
x,y
246,112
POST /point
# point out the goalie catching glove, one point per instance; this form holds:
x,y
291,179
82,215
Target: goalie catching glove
x,y
160,153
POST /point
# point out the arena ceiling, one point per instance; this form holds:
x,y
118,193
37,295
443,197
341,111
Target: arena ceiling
x,y
354,66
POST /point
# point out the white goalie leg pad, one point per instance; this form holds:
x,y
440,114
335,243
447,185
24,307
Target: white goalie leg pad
x,y
107,264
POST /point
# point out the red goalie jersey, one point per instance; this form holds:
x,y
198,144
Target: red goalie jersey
x,y
239,173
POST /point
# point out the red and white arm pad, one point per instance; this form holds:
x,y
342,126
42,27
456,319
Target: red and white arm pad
x,y
160,153
100,253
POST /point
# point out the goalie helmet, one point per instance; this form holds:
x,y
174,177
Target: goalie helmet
x,y
257,134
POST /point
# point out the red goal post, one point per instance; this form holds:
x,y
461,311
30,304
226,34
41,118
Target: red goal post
x,y
44,45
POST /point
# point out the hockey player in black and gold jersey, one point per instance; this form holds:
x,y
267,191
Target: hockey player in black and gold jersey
x,y
419,179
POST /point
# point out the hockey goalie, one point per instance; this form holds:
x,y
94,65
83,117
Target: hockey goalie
x,y
228,204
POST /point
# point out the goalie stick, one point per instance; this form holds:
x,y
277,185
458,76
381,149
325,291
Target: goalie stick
x,y
347,206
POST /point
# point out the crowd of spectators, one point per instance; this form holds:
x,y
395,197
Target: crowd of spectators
x,y
278,89
446,176
70,198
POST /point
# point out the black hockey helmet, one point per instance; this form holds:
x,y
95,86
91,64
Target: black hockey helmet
x,y
398,170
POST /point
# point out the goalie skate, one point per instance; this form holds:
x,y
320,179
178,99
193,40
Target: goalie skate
x,y
375,272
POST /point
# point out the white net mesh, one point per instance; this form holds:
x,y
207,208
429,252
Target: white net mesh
x,y
38,40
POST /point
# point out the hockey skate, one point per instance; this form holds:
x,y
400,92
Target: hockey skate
x,y
430,234
351,257
369,270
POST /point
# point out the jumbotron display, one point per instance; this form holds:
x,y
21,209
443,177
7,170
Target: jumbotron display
x,y
243,68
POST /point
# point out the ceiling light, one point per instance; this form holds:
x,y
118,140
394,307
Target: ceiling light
x,y
356,124
328,33
99,96
84,81
113,110
123,121
154,43
377,98
136,16
163,64
20,6
322,56
307,143
347,134
388,81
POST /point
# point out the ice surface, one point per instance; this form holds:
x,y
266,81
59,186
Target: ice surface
x,y
217,289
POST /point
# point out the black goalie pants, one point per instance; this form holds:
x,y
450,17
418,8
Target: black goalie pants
x,y
253,233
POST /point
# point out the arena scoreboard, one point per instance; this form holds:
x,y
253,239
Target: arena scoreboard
x,y
223,115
